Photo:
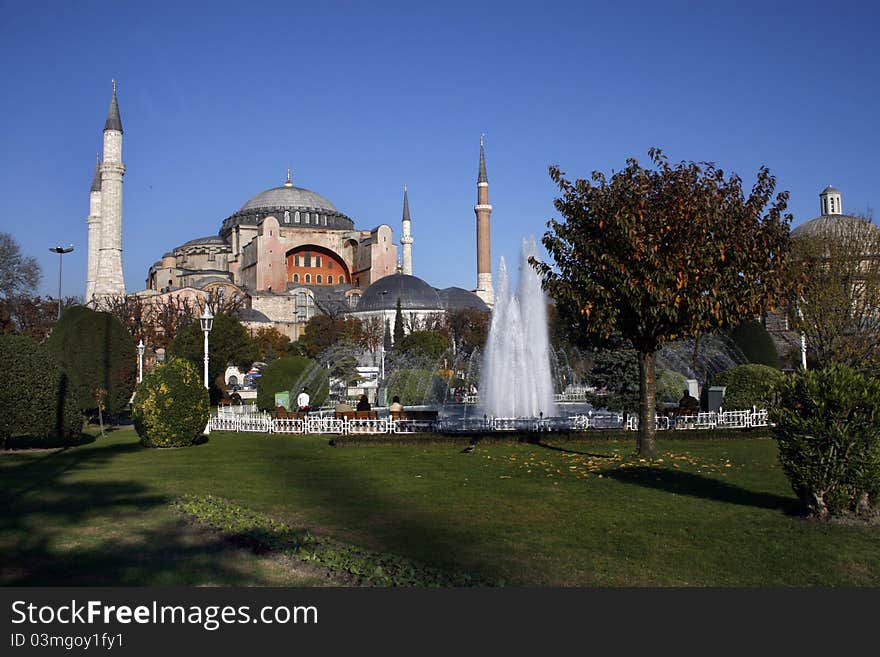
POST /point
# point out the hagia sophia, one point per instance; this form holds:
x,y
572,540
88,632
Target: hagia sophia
x,y
288,253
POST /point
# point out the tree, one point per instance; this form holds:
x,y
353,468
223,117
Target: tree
x,y
228,344
616,374
271,344
839,310
425,345
291,374
31,316
171,406
468,329
398,323
96,351
322,331
19,275
660,253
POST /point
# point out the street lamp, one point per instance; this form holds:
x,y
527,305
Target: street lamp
x,y
60,250
141,361
207,320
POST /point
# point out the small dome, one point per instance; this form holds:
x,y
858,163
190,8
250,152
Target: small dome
x,y
456,298
210,239
289,197
413,292
830,190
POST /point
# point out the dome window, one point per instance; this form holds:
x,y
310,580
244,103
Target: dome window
x,y
296,217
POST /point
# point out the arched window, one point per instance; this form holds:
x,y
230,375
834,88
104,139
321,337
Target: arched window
x,y
296,217
305,305
318,279
330,280
353,300
308,278
296,278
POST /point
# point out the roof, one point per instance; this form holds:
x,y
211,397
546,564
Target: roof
x,y
413,292
481,178
210,239
456,298
289,197
830,190
831,225
113,122
96,179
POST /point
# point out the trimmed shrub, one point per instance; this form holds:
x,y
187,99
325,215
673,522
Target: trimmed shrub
x,y
171,405
38,407
430,345
416,387
96,351
748,385
291,374
670,386
755,343
827,426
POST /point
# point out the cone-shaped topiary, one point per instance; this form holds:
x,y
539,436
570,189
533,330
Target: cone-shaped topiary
x,y
171,405
292,374
748,385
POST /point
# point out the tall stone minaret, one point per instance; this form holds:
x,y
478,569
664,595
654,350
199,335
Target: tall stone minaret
x,y
109,280
484,252
830,198
94,223
406,239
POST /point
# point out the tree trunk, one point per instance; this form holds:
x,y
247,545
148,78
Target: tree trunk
x,y
647,404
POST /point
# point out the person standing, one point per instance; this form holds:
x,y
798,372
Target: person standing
x,y
302,401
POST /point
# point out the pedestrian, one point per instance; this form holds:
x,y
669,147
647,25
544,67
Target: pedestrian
x,y
363,404
396,406
302,401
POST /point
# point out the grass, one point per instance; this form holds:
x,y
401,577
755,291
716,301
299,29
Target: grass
x,y
561,513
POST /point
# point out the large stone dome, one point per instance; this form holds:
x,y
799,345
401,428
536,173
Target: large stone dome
x,y
293,207
289,197
413,292
833,225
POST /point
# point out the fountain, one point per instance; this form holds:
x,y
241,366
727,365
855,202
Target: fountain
x,y
516,381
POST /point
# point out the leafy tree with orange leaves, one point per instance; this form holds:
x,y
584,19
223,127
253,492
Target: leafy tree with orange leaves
x,y
654,254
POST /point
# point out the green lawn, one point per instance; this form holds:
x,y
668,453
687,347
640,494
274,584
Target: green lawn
x,y
566,513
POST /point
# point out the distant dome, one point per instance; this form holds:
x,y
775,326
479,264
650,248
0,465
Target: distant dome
x,y
832,225
830,190
456,298
289,197
413,292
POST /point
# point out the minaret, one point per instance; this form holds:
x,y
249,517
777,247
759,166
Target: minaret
x,y
484,255
406,239
830,201
94,223
109,280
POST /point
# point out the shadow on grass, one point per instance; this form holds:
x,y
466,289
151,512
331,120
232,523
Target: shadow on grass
x,y
694,485
543,445
62,529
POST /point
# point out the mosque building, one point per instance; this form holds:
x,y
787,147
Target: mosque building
x,y
288,253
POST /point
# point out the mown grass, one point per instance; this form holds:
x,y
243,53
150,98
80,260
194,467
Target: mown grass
x,y
560,513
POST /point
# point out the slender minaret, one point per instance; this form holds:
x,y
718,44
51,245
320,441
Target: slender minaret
x,y
94,223
406,239
109,281
830,198
484,252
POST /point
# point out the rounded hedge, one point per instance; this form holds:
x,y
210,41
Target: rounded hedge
x,y
292,374
38,407
670,386
748,385
96,351
171,405
827,426
416,387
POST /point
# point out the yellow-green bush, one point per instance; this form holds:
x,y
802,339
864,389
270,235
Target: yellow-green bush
x,y
171,405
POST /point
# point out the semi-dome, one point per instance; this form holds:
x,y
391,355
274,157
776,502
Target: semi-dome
x,y
289,197
199,241
456,298
413,292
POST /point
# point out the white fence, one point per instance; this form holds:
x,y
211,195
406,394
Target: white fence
x,y
256,421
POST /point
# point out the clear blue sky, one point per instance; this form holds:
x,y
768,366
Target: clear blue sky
x,y
218,99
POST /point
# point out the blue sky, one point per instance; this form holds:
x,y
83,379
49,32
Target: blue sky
x,y
218,99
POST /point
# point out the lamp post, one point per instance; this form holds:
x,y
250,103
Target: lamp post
x,y
60,250
140,360
207,320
